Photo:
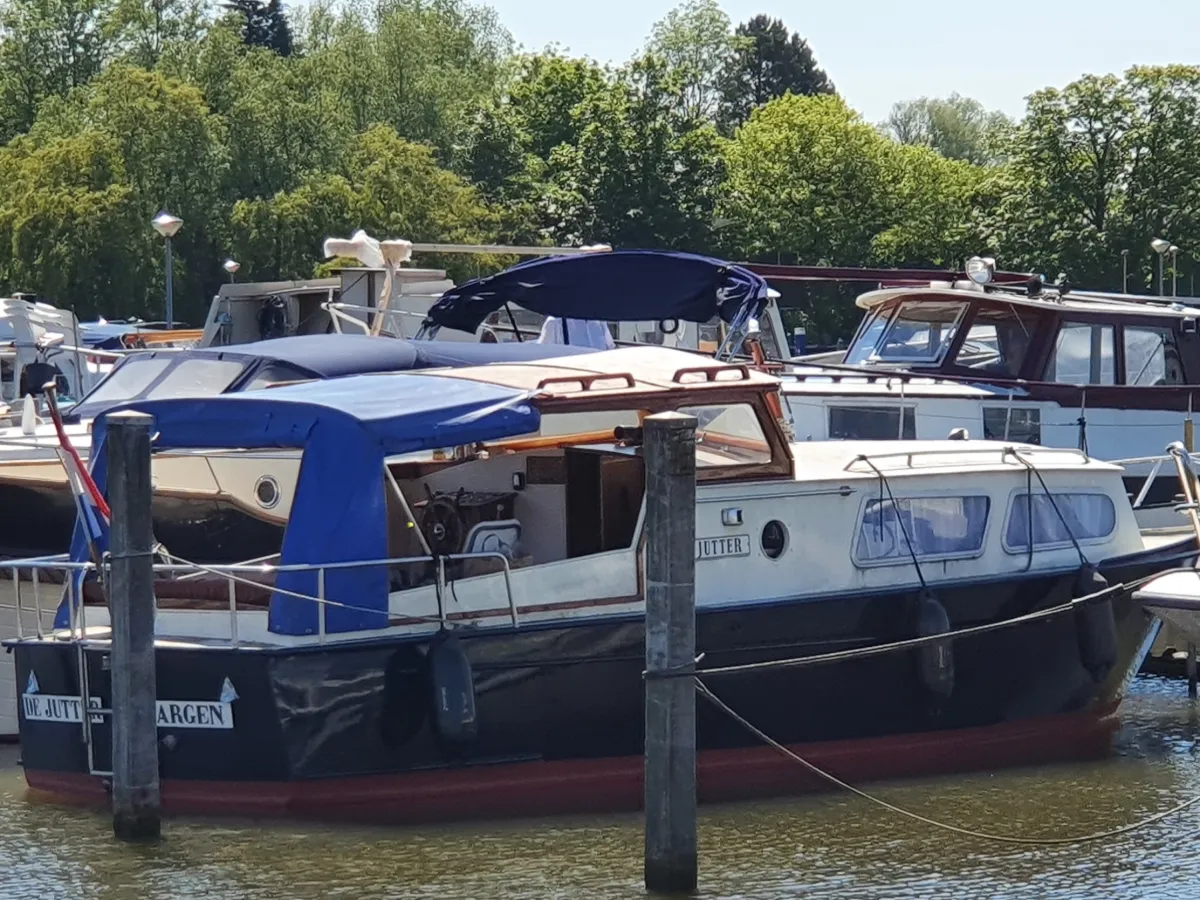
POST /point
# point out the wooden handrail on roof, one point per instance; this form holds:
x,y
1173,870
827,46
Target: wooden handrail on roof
x,y
585,382
136,339
713,373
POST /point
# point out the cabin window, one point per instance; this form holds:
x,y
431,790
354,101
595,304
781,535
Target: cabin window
x,y
864,347
197,378
938,527
1084,516
728,436
128,379
998,340
1083,354
598,425
1151,357
1003,423
275,374
872,423
919,332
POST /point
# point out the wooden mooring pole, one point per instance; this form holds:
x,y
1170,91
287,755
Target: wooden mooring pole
x,y
1191,669
136,803
670,456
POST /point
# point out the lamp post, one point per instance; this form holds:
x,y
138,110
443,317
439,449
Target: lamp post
x,y
231,266
1174,251
1124,271
168,226
1159,246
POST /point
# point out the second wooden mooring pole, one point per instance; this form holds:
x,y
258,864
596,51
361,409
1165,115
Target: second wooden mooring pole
x,y
1191,669
670,850
136,803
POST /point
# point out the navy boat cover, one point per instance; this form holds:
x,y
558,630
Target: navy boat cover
x,y
314,356
346,427
616,286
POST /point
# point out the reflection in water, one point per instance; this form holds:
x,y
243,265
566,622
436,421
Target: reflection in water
x,y
823,846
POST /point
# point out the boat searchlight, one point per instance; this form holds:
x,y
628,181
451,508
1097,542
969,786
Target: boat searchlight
x,y
981,269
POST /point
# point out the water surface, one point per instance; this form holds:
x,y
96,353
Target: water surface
x,y
819,846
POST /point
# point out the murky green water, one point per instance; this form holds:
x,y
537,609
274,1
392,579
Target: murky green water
x,y
826,846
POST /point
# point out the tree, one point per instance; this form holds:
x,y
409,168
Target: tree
x,y
389,186
810,181
48,47
643,174
956,127
695,41
266,24
148,142
1103,165
508,150
145,28
544,96
768,61
70,230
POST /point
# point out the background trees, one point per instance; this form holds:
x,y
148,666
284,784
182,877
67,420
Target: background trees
x,y
267,129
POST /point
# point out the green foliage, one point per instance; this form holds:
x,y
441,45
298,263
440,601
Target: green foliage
x,y
643,173
67,220
265,25
415,119
956,127
383,183
1103,165
768,61
48,47
811,182
695,42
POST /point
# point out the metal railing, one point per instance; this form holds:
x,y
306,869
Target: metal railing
x,y
341,314
72,575
966,449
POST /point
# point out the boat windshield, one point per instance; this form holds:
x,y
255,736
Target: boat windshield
x,y
998,340
157,378
918,331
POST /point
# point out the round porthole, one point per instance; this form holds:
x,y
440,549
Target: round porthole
x,y
668,326
774,539
266,492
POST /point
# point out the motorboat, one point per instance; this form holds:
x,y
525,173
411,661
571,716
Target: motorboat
x,y
209,507
1116,376
478,533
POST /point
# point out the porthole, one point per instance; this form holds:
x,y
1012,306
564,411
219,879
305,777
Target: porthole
x,y
774,539
266,492
668,326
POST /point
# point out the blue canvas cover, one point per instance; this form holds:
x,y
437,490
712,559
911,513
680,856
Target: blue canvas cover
x,y
320,356
616,286
346,428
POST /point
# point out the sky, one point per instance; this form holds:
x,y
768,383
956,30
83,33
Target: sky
x,y
879,52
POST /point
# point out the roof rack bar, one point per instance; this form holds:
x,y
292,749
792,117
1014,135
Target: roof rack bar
x,y
891,276
508,249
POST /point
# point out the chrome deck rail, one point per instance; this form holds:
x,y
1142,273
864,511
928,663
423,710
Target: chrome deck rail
x,y
73,574
965,448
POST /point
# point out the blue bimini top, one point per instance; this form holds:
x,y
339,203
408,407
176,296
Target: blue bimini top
x,y
346,428
616,286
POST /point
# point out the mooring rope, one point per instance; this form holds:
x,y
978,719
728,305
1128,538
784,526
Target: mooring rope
x,y
910,643
707,693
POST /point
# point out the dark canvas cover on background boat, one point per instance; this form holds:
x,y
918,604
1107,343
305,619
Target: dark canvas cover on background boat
x,y
346,427
612,286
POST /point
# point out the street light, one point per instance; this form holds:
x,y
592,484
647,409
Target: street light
x,y
1159,246
231,266
1174,251
168,226
1124,271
